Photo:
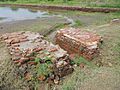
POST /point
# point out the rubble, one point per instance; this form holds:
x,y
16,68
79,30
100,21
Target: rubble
x,y
75,41
30,49
39,59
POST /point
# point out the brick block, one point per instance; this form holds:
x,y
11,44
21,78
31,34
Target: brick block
x,y
75,41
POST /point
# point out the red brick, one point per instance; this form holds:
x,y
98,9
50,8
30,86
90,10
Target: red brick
x,y
79,42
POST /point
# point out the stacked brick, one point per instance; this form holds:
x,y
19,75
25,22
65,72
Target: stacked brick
x,y
25,47
79,42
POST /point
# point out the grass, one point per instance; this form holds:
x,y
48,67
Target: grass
x,y
95,22
82,60
83,79
78,23
86,20
82,3
43,69
99,23
75,80
70,84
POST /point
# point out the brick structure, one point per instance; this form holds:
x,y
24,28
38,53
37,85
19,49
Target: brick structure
x,y
27,47
75,41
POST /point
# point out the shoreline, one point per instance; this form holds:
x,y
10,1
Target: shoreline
x,y
72,8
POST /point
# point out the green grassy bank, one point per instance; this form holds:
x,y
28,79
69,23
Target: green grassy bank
x,y
81,3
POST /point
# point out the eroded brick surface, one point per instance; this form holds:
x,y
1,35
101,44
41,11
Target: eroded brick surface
x,y
30,49
79,42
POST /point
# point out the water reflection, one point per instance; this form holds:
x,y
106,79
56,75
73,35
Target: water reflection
x,y
13,14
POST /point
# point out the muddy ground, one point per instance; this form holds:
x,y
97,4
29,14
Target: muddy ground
x,y
102,73
41,25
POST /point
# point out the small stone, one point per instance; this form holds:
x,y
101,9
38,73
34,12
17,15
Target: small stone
x,y
41,77
61,63
75,65
72,56
23,40
32,63
37,49
15,58
15,41
8,41
15,45
28,76
52,77
109,64
32,58
56,80
53,50
1,27
82,65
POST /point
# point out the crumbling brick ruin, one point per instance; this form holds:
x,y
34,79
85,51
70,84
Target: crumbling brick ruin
x,y
30,52
79,42
37,58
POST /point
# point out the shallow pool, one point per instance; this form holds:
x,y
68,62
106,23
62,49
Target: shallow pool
x,y
13,14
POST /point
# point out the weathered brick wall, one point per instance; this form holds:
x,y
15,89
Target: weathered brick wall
x,y
78,42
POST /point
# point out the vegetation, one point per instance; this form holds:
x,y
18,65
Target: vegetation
x,y
96,22
82,3
43,66
78,23
82,60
